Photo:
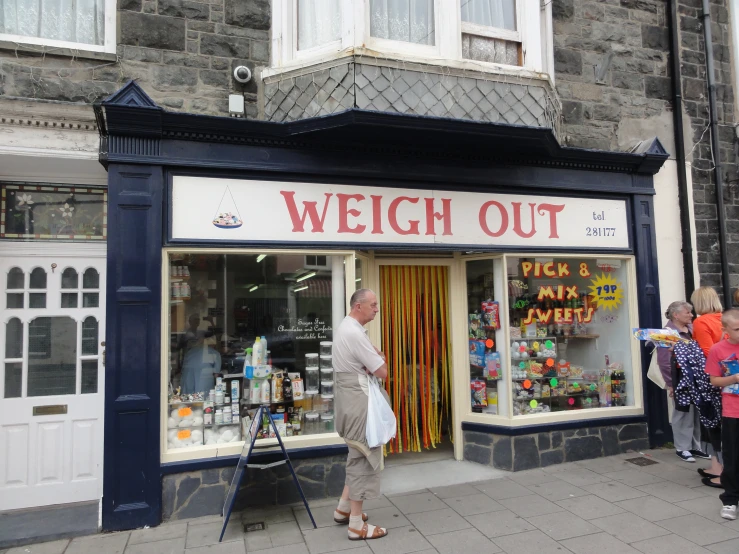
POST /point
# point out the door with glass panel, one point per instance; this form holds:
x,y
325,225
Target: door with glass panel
x,y
51,379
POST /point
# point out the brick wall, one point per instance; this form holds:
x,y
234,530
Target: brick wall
x,y
613,77
182,53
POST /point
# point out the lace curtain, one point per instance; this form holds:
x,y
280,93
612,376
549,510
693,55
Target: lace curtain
x,y
81,21
403,20
490,13
319,22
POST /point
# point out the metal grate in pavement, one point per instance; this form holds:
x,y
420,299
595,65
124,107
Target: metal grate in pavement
x,y
642,462
256,526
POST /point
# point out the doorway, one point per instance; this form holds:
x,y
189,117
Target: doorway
x,y
51,378
415,331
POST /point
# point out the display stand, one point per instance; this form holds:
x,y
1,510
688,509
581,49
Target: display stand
x,y
243,463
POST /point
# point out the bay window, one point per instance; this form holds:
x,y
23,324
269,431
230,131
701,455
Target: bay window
x,y
484,34
85,24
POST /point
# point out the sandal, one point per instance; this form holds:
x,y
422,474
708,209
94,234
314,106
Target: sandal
x,y
377,533
344,520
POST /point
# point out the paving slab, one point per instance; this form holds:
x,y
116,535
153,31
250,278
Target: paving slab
x,y
726,547
709,508
160,533
416,503
613,491
452,491
563,525
589,507
474,504
671,492
438,521
530,542
651,508
605,465
463,542
557,489
669,544
530,506
168,546
699,530
400,541
601,543
582,477
114,543
633,477
236,547
208,533
330,539
499,489
297,549
629,527
530,477
504,523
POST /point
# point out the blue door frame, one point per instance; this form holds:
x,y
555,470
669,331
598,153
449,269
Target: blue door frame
x,y
142,145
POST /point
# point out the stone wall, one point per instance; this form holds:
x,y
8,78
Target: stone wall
x,y
182,52
553,447
421,90
613,77
201,493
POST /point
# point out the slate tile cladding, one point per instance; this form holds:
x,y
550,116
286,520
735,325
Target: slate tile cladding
x,y
612,71
181,52
553,447
202,493
438,92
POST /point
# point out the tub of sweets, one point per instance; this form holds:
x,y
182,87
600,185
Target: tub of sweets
x,y
325,348
327,422
311,380
311,360
326,362
312,426
327,389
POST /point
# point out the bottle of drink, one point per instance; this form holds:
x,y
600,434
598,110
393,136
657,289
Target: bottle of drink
x,y
287,389
257,356
265,392
264,350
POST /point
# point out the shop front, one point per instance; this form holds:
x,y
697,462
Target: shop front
x,y
510,273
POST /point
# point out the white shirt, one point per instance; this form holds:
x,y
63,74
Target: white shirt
x,y
352,349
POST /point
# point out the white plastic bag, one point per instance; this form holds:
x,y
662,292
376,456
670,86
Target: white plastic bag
x,y
381,423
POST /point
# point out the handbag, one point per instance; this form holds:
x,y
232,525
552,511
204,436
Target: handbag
x,y
381,422
654,374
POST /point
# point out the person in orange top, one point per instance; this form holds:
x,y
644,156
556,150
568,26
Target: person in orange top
x,y
707,326
707,331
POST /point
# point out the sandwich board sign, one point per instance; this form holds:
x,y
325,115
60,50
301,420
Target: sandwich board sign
x,y
243,464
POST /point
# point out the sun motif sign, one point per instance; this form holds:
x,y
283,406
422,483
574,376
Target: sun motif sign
x,y
606,292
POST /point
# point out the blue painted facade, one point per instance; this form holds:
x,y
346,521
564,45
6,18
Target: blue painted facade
x,y
142,146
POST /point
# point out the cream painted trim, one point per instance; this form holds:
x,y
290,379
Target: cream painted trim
x,y
232,449
57,249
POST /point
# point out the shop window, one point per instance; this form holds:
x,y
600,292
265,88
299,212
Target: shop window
x,y
44,212
88,25
223,309
570,340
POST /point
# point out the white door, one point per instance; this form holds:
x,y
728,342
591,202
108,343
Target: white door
x,y
51,378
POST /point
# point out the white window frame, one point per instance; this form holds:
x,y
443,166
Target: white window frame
x,y
533,24
108,47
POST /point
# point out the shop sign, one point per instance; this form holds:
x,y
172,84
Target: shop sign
x,y
271,211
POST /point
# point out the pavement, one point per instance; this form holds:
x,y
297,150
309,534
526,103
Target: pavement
x,y
604,506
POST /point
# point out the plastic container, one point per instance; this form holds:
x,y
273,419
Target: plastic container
x,y
325,348
311,380
327,423
327,389
312,425
326,362
327,374
311,360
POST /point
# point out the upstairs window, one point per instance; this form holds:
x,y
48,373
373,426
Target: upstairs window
x,y
477,34
77,24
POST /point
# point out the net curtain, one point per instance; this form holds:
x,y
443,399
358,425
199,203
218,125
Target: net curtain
x,y
319,22
403,20
490,13
81,21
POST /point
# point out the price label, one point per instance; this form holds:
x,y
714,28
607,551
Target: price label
x,y
489,343
550,362
184,434
184,412
527,384
549,344
592,387
606,292
553,382
533,403
570,401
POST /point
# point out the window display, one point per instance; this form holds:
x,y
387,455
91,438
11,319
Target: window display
x,y
569,334
248,330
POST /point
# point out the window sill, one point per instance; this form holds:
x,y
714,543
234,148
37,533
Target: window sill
x,y
569,416
469,68
58,51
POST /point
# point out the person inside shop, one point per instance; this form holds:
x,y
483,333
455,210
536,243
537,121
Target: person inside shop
x,y
707,331
355,358
686,429
722,367
200,360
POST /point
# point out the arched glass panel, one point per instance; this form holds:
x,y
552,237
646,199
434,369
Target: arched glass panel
x,y
38,279
89,336
91,279
13,349
15,278
70,279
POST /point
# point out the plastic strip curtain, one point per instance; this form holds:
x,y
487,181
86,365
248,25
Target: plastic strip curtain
x,y
415,338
